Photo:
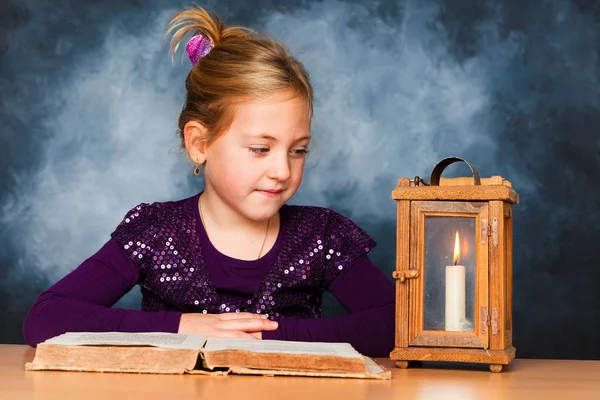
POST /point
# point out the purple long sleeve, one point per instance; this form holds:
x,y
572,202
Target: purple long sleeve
x,y
163,247
369,298
81,301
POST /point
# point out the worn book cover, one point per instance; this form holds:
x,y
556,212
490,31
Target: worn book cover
x,y
170,353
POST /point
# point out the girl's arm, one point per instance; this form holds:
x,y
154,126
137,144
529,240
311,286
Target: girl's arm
x,y
81,301
369,326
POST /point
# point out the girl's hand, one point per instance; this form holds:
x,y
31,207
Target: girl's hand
x,y
228,325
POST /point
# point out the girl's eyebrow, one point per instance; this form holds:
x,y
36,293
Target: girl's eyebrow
x,y
271,138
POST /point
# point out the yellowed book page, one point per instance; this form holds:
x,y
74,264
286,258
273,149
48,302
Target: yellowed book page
x,y
374,371
154,339
281,346
282,355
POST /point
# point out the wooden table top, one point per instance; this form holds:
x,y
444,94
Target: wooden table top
x,y
521,379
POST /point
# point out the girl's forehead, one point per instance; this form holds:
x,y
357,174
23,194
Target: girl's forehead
x,y
299,137
272,116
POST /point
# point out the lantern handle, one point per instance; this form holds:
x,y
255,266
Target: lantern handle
x,y
436,173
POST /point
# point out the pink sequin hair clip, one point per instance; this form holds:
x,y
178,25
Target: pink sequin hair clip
x,y
197,47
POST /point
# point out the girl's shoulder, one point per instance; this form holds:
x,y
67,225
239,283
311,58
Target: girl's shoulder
x,y
323,215
151,218
326,223
312,212
328,239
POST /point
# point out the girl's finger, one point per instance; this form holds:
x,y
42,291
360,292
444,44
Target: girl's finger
x,y
257,335
248,325
240,315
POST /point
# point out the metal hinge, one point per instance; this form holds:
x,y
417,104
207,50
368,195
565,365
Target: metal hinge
x,y
486,321
494,321
492,231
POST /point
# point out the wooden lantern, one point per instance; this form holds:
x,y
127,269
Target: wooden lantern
x,y
454,269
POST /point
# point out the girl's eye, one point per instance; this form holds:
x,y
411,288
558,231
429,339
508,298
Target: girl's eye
x,y
300,152
259,150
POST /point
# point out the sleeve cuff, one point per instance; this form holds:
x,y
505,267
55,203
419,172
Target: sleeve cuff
x,y
155,321
287,330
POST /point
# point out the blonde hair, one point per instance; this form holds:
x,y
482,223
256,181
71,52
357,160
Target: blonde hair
x,y
242,64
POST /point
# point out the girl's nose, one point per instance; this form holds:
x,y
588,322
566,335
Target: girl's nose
x,y
279,169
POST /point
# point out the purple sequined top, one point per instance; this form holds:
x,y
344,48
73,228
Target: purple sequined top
x,y
164,248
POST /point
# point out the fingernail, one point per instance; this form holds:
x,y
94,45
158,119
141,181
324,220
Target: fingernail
x,y
263,316
274,324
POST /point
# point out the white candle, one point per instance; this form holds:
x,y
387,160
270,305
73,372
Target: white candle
x,y
455,297
455,292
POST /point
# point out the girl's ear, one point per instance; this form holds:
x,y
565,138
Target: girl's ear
x,y
195,136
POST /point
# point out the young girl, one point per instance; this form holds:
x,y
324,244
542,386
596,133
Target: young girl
x,y
234,260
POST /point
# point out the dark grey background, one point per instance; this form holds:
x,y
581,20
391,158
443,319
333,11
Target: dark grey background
x,y
89,100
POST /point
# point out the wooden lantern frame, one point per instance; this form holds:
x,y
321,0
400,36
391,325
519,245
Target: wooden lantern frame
x,y
489,201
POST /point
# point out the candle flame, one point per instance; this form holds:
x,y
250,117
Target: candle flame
x,y
456,249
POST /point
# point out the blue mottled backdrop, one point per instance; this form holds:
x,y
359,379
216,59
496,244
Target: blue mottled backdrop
x,y
89,100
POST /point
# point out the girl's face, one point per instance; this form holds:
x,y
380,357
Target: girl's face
x,y
257,164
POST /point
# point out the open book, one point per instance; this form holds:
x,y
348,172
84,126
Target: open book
x,y
171,353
